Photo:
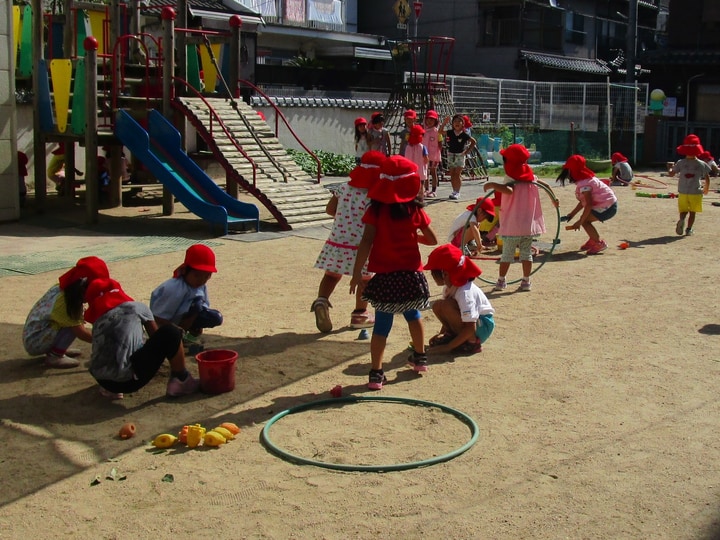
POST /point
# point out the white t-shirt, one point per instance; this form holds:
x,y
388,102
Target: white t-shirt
x,y
472,301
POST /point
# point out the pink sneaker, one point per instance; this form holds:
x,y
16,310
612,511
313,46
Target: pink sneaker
x,y
597,247
176,387
586,245
362,320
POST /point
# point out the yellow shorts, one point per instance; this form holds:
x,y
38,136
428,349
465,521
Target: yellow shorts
x,y
690,203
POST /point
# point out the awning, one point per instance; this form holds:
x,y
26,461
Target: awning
x,y
224,16
350,51
567,63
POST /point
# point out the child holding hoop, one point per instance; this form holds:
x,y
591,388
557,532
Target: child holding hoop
x,y
390,245
596,201
522,217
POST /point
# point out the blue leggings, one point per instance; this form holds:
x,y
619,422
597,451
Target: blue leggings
x,y
384,321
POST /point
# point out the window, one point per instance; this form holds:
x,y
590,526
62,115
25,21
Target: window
x,y
499,26
574,28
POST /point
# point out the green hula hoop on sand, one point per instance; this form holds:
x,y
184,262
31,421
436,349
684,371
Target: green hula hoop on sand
x,y
267,441
548,253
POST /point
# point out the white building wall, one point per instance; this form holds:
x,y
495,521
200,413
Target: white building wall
x,y
9,186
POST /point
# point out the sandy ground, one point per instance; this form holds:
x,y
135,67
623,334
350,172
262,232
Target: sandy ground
x,y
596,400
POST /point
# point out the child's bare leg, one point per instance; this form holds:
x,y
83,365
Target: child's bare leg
x,y
360,304
328,284
448,313
526,268
691,220
591,231
417,333
455,181
504,267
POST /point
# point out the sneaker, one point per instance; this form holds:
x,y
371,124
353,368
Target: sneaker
x,y
190,339
364,319
61,362
111,395
419,362
454,196
587,245
376,379
469,347
597,247
500,285
176,387
688,232
431,194
321,306
73,353
679,226
526,285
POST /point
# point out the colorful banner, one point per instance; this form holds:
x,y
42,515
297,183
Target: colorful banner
x,y
327,11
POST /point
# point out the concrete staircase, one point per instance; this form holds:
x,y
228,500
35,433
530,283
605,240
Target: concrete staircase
x,y
293,198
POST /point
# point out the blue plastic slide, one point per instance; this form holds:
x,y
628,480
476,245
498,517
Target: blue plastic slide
x,y
161,152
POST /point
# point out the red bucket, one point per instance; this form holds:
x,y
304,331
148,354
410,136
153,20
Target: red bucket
x,y
217,370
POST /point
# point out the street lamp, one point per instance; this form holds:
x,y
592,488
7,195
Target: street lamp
x,y
687,100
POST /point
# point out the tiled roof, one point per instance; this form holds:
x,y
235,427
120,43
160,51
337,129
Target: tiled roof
x,y
682,57
567,63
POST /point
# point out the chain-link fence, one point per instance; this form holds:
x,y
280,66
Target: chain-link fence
x,y
554,119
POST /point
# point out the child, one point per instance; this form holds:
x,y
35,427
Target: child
x,y
121,360
469,239
522,217
337,258
596,200
691,172
707,158
410,118
416,152
57,318
183,299
56,168
390,241
361,138
378,136
459,143
22,173
467,124
622,173
432,142
464,311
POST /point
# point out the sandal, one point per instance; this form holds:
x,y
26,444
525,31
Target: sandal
x,y
441,339
469,347
321,306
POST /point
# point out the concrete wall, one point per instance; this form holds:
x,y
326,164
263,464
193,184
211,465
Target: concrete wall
x,y
9,186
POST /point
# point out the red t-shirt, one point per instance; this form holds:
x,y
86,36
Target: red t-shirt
x,y
395,247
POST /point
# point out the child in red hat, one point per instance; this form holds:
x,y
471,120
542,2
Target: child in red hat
x,y
378,135
337,257
57,318
522,217
465,230
416,152
432,142
464,311
458,144
183,299
122,360
622,173
390,245
691,173
410,120
362,144
710,160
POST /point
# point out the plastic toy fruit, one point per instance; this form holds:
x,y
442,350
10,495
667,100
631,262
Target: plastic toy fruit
x,y
213,438
164,440
624,245
225,433
195,435
336,391
232,428
182,435
127,430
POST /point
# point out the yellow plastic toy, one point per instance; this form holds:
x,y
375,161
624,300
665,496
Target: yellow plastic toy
x,y
225,433
213,438
195,435
164,440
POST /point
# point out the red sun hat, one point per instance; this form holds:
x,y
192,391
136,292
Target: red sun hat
x,y
516,167
200,257
416,134
706,156
367,171
617,157
410,113
360,120
486,204
576,165
377,117
398,182
90,268
691,146
466,122
432,114
450,259
102,296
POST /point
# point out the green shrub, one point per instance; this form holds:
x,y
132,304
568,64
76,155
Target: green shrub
x,y
332,164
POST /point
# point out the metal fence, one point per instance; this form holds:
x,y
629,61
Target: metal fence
x,y
594,119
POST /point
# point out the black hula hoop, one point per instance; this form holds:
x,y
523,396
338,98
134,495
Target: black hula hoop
x,y
464,418
548,254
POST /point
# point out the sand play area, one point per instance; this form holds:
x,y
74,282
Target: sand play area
x,y
596,399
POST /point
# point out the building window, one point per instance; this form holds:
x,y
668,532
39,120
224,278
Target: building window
x,y
499,26
574,28
542,28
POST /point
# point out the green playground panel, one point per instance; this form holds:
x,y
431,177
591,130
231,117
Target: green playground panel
x,y
78,116
193,68
25,64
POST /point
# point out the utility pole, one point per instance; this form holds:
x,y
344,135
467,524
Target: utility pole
x,y
631,43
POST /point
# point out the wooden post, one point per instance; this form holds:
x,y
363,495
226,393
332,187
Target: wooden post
x,y
168,17
39,158
91,137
